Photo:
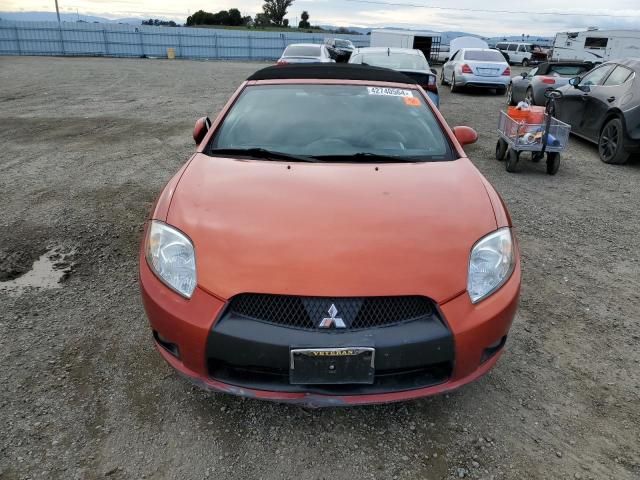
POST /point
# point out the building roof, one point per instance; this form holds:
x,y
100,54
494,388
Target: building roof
x,y
407,32
330,71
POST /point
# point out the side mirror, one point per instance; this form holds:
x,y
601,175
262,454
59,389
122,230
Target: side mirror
x,y
524,74
434,71
201,128
465,135
446,59
574,82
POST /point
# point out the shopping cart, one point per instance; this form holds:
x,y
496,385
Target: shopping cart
x,y
548,135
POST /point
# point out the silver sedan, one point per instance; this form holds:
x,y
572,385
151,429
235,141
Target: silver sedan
x,y
476,67
305,53
531,85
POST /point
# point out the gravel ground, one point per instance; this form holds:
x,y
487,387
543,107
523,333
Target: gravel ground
x,y
86,146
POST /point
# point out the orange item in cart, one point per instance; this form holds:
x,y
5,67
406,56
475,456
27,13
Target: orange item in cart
x,y
530,115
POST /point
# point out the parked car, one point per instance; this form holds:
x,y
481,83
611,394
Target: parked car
x,y
530,86
603,107
519,52
409,61
330,243
476,67
340,49
305,53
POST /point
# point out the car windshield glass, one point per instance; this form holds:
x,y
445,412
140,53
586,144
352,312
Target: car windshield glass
x,y
483,55
343,43
302,51
567,70
334,121
397,61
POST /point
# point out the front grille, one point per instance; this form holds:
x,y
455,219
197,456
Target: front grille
x,y
308,312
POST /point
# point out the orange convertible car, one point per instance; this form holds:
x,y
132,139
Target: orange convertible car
x,y
330,243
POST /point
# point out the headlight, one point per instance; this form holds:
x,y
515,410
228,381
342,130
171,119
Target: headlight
x,y
491,264
171,256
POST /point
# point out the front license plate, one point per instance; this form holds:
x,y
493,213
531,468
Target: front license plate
x,y
324,366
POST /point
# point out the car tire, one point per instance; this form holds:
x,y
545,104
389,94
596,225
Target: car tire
x,y
529,96
553,162
611,143
525,62
443,82
454,88
511,165
501,149
510,95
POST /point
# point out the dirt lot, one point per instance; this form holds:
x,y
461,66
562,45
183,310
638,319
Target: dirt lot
x,y
86,146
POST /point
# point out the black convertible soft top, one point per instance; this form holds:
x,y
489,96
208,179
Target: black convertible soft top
x,y
331,71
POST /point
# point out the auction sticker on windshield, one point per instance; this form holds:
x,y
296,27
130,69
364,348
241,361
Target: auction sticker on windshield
x,y
393,92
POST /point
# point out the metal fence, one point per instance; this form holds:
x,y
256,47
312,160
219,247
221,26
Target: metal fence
x,y
119,40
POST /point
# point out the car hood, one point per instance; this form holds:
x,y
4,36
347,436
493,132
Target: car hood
x,y
331,229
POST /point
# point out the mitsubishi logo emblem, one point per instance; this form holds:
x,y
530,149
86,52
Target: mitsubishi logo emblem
x,y
332,320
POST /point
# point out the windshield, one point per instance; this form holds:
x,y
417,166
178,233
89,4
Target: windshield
x,y
396,61
334,120
343,43
484,55
302,51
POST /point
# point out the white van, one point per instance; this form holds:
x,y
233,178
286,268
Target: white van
x,y
519,52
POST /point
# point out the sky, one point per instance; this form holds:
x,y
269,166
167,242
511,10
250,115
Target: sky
x,y
483,20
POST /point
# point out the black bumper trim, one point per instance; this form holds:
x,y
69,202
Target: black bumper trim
x,y
252,354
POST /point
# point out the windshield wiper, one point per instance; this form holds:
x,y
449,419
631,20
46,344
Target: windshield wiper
x,y
262,153
370,157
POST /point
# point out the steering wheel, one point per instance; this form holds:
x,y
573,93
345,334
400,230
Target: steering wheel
x,y
329,145
552,93
381,136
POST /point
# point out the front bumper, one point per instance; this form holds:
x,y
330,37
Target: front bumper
x,y
461,349
471,80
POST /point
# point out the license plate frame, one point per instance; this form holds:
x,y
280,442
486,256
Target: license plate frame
x,y
332,366
488,72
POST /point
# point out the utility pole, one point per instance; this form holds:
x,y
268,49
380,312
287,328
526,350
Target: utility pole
x,y
57,11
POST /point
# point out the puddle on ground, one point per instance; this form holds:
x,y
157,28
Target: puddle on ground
x,y
46,273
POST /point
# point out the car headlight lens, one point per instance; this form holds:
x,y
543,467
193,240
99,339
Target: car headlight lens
x,y
171,256
491,264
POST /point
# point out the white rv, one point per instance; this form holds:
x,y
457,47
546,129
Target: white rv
x,y
427,42
596,46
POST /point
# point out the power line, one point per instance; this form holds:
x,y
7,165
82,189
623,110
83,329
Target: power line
x,y
433,7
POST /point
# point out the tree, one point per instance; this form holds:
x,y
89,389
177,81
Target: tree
x,y
235,17
261,20
304,23
275,10
159,23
